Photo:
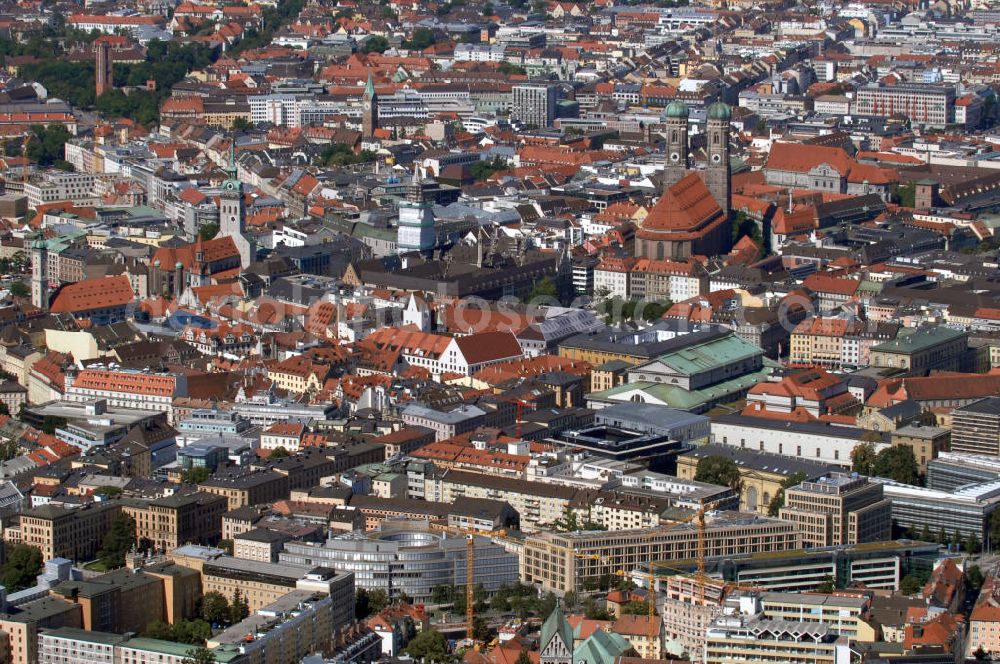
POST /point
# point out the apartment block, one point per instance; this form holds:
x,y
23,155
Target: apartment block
x,y
19,626
838,509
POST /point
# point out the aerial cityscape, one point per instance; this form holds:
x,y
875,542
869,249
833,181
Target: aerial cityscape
x,y
499,332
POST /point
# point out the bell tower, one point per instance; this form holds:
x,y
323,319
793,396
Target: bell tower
x,y
369,109
233,213
678,159
718,177
40,273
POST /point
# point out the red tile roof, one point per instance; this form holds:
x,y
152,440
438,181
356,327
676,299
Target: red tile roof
x,y
92,294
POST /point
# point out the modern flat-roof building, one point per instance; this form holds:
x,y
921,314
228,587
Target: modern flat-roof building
x,y
954,469
563,562
838,508
65,645
408,558
757,639
976,428
876,565
967,509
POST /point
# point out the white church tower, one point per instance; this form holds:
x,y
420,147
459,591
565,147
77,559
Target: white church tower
x,y
233,214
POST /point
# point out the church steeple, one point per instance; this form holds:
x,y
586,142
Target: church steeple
x,y
232,212
369,109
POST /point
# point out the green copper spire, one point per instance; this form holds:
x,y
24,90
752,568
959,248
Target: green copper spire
x,y
232,183
370,87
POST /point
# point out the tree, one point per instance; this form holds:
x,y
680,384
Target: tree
x,y
241,124
568,523
488,9
779,498
925,534
378,599
956,540
200,655
109,491
742,225
226,545
972,544
906,195
981,655
429,645
239,608
52,422
593,611
897,463
375,44
484,168
636,608
215,608
719,470
826,585
910,585
523,658
480,629
46,145
19,289
942,537
24,563
195,475
208,231
863,458
975,577
117,542
570,600
421,39
279,452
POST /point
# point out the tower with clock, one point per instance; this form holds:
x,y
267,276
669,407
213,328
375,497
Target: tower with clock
x,y
233,214
369,109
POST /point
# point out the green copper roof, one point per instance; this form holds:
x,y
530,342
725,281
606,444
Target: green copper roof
x,y
556,623
720,111
709,355
370,87
601,648
677,397
677,109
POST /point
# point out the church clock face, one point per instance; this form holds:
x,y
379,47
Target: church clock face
x,y
675,157
367,106
716,158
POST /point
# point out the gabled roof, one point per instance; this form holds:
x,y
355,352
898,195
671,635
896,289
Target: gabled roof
x,y
93,294
686,206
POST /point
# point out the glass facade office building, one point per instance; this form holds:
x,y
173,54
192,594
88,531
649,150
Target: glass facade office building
x,y
411,561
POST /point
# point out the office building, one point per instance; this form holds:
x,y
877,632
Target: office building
x,y
975,428
284,631
69,645
563,562
407,558
954,469
838,509
534,104
966,510
758,639
874,565
928,105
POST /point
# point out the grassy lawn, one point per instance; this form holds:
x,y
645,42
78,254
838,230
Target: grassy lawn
x,y
96,566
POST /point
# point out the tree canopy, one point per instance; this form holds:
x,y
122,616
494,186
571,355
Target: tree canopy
x,y
719,470
23,564
117,542
429,645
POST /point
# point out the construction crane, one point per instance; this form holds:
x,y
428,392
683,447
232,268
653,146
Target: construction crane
x,y
699,519
470,572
